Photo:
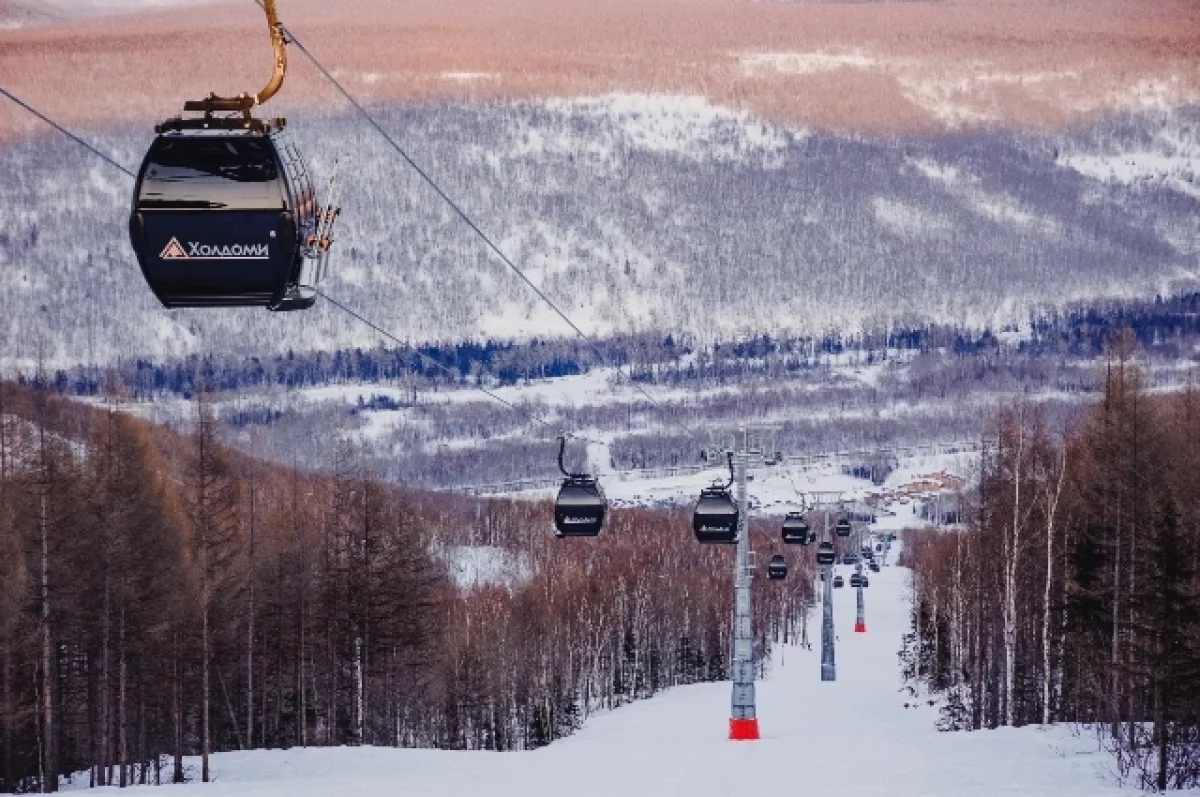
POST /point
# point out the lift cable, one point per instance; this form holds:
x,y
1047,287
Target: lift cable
x,y
462,214
451,372
66,132
446,369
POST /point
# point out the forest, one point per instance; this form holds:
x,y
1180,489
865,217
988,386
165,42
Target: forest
x,y
1165,328
727,229
423,424
1072,592
163,596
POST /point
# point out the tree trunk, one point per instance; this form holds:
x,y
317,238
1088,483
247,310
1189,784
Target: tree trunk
x,y
49,660
1115,652
105,681
250,636
205,601
1047,675
1011,553
206,657
143,754
122,720
177,710
7,782
358,690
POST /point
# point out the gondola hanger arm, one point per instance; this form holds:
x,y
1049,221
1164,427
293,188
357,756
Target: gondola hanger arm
x,y
279,47
245,102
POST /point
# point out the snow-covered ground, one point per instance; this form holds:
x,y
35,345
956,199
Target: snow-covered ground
x,y
486,565
852,737
779,489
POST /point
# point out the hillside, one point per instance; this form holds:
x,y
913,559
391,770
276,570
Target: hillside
x,y
329,608
634,214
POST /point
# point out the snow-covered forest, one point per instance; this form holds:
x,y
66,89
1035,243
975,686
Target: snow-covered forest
x,y
634,214
1070,595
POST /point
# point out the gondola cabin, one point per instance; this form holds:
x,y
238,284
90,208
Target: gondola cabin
x,y
795,529
715,518
580,507
825,553
226,217
777,568
224,211
843,528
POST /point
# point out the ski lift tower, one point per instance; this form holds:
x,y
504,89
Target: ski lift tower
x,y
743,716
860,621
826,503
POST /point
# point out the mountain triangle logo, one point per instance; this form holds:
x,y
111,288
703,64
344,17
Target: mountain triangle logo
x,y
173,250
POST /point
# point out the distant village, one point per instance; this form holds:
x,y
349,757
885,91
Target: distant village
x,y
936,493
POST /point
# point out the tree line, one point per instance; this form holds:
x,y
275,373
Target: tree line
x,y
1073,592
1163,327
163,596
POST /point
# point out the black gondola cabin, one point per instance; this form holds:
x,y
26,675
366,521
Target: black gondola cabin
x,y
715,518
579,508
777,568
225,216
795,529
224,212
843,528
825,553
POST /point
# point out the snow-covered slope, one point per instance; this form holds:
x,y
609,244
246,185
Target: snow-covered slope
x,y
853,737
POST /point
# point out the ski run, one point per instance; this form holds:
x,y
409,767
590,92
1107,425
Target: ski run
x,y
851,738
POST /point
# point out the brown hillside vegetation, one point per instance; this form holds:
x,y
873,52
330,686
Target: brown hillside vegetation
x,y
202,600
904,67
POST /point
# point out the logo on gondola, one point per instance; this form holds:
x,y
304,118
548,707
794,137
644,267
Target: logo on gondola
x,y
173,251
198,251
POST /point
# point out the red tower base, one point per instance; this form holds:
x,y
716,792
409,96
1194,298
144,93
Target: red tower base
x,y
743,730
860,628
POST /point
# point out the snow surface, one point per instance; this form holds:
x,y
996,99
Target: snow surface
x,y
814,63
467,77
1171,158
473,566
1179,171
853,737
907,220
686,125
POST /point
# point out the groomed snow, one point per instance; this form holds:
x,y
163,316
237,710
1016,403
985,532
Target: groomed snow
x,y
850,738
